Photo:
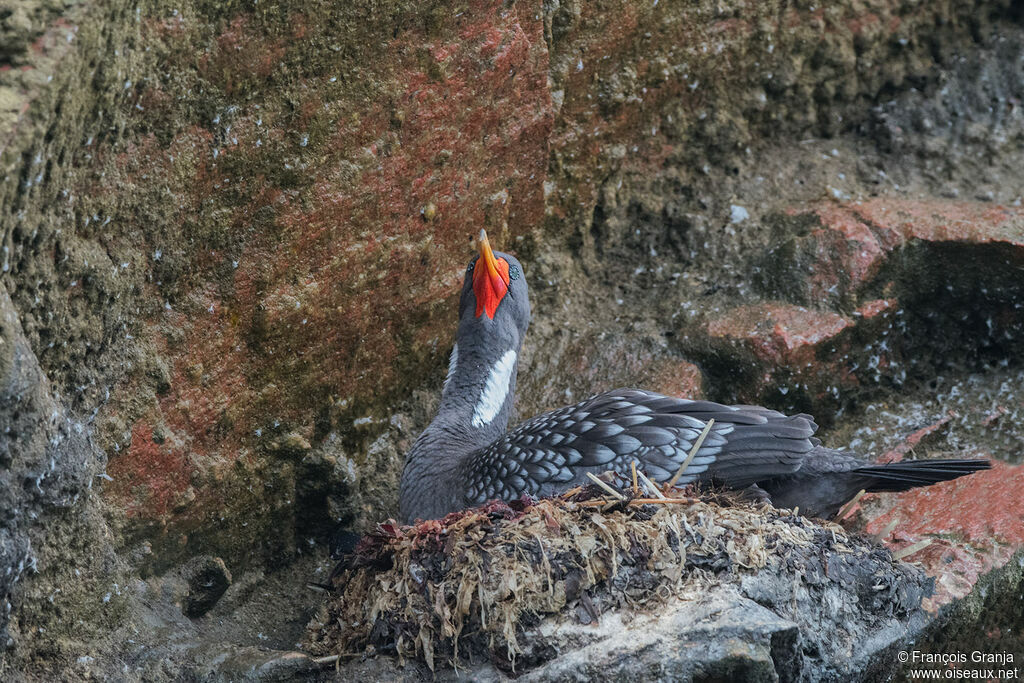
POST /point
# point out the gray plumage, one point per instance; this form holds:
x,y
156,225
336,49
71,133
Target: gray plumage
x,y
462,460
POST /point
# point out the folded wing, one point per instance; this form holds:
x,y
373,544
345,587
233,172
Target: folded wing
x,y
554,451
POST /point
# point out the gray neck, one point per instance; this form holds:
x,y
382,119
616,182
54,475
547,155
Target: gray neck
x,y
476,405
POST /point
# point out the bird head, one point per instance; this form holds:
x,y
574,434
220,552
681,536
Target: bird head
x,y
494,291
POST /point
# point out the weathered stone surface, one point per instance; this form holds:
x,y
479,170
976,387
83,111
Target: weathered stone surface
x,y
46,462
722,635
332,222
777,334
876,292
59,575
780,353
974,550
207,578
973,525
694,88
575,364
840,249
727,635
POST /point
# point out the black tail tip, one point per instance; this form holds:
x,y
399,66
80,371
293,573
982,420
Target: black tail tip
x,y
908,474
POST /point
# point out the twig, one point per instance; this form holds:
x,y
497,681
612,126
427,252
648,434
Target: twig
x,y
693,452
845,510
884,533
632,467
330,659
612,492
648,484
636,501
911,549
661,501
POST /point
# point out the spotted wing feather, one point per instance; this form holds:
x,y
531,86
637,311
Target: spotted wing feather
x,y
554,451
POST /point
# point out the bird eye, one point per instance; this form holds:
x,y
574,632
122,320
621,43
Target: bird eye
x,y
513,272
469,268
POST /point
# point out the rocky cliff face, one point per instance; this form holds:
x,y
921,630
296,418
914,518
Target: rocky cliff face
x,y
232,235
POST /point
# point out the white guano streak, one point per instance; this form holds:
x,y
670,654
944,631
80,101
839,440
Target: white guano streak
x,y
495,390
453,363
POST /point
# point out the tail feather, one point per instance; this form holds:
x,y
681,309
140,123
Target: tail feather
x,y
908,474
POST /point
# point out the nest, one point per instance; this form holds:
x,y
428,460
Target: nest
x,y
473,584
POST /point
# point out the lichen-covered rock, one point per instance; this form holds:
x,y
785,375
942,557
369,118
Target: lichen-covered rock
x,y
48,524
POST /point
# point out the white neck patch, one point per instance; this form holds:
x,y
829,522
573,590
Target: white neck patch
x,y
453,363
492,398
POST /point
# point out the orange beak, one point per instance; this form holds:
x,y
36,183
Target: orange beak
x,y
490,278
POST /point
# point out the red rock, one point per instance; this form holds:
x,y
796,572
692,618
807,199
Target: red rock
x,y
872,308
855,239
778,334
674,378
772,352
975,523
796,357
342,290
157,473
898,221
